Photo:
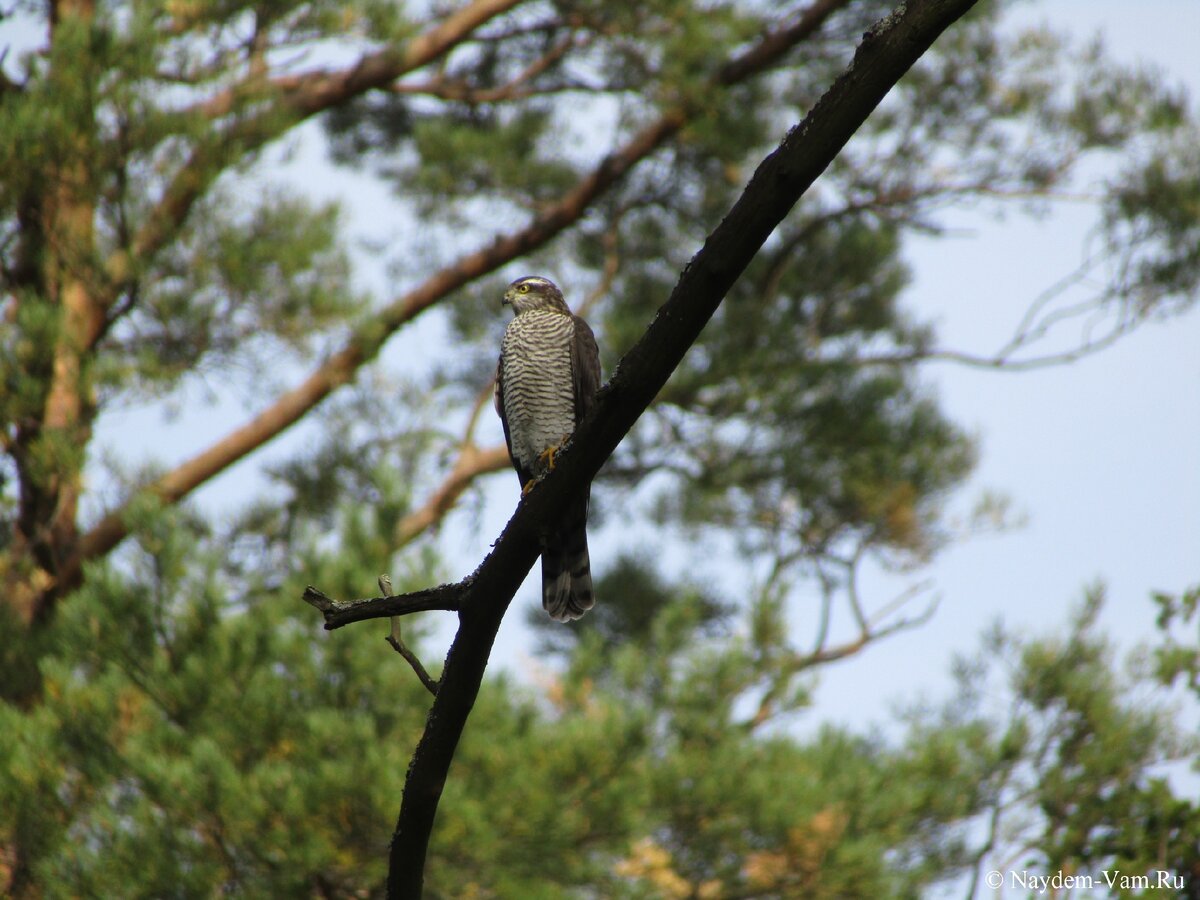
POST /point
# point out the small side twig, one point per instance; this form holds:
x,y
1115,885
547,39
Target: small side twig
x,y
397,642
342,612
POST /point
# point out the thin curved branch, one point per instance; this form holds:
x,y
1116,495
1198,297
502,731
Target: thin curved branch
x,y
869,632
1000,361
400,647
397,641
470,464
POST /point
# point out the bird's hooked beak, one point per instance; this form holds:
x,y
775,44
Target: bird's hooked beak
x,y
506,300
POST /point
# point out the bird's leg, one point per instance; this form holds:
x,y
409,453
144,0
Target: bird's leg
x,y
547,455
546,458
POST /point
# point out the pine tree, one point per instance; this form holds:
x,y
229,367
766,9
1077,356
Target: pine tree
x,y
172,724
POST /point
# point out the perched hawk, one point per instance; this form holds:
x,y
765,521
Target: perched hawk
x,y
548,375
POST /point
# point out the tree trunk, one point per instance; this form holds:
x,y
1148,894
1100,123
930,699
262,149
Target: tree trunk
x,y
50,442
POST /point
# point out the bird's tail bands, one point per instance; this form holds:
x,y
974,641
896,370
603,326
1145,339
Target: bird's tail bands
x,y
567,568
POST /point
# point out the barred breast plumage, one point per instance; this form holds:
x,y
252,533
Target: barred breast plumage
x,y
539,400
548,375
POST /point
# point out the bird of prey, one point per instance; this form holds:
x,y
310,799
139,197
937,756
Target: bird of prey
x,y
547,379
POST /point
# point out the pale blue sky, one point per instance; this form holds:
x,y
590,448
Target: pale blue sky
x,y
1102,456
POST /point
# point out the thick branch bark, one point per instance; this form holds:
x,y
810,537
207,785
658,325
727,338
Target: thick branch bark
x,y
362,347
886,53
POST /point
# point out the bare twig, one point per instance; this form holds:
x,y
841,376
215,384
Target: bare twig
x,y
400,647
397,642
998,362
869,632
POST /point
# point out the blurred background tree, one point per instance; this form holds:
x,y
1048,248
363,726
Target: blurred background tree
x,y
173,721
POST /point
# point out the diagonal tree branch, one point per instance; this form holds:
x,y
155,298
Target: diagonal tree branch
x,y
365,343
886,53
299,97
315,91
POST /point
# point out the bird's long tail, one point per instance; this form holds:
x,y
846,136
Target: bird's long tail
x,y
567,568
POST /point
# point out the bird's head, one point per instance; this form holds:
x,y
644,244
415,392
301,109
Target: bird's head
x,y
534,292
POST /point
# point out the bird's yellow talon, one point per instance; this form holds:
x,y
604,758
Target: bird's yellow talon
x,y
547,457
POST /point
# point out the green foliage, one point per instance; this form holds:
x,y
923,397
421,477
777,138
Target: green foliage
x,y
182,728
1152,215
24,357
198,732
367,125
484,154
1178,659
1078,779
242,286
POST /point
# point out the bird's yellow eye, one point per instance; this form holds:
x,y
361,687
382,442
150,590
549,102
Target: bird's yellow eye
x,y
523,288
